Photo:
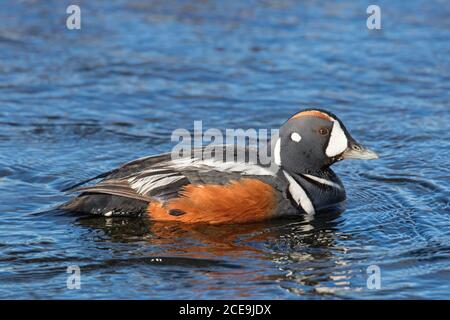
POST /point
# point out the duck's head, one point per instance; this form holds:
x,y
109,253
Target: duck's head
x,y
314,139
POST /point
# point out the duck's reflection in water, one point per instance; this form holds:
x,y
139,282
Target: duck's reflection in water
x,y
193,240
304,252
311,256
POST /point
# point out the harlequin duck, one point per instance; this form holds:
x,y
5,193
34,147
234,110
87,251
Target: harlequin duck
x,y
197,190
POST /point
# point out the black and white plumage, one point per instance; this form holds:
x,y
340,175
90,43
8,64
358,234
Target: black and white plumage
x,y
192,189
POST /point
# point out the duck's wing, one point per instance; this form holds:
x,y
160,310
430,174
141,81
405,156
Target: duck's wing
x,y
126,190
158,174
139,179
124,170
159,179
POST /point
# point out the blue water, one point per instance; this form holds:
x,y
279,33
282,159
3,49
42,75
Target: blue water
x,y
76,103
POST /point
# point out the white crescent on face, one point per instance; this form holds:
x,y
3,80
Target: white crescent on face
x,y
338,141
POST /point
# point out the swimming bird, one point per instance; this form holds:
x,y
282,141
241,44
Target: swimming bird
x,y
193,189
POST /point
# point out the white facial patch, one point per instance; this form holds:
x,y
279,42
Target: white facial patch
x,y
338,141
277,153
296,137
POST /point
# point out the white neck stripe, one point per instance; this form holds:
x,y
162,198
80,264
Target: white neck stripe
x,y
299,195
277,152
323,181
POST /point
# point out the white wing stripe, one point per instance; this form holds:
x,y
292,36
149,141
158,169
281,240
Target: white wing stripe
x,y
227,166
144,184
147,184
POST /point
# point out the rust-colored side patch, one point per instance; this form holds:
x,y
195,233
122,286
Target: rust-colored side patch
x,y
312,113
246,200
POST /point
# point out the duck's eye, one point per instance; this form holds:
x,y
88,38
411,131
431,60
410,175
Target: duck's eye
x,y
323,131
356,147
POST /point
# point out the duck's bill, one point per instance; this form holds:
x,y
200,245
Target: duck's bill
x,y
359,152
